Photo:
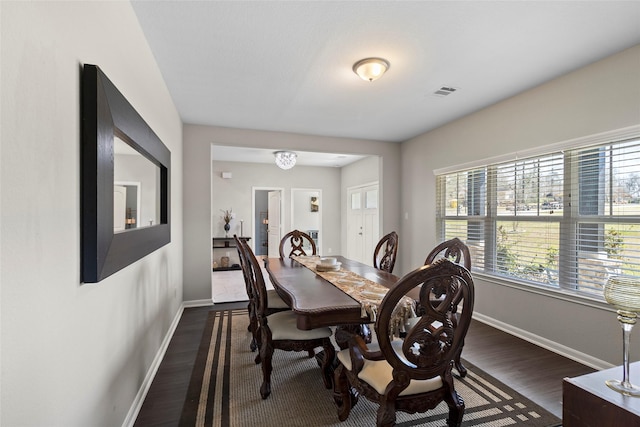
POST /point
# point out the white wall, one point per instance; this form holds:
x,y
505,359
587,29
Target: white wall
x,y
74,354
601,97
198,188
303,218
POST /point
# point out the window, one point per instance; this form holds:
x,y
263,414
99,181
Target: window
x,y
567,219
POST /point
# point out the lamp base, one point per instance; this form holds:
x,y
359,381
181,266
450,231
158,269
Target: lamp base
x,y
627,389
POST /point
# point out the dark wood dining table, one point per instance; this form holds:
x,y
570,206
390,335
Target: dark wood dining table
x,y
314,300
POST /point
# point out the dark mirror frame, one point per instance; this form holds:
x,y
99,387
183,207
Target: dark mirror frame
x,y
106,112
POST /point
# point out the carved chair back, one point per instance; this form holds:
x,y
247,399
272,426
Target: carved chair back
x,y
454,250
384,256
426,352
432,342
251,305
256,281
293,243
243,267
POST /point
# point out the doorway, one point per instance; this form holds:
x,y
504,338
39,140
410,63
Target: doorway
x,y
267,206
126,205
363,229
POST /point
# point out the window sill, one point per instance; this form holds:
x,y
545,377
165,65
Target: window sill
x,y
556,293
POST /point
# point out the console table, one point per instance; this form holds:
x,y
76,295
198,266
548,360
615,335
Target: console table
x,y
226,243
587,401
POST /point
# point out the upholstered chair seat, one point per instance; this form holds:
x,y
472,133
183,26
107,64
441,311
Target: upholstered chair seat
x,y
379,373
283,327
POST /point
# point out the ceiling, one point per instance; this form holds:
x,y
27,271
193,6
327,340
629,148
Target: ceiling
x,y
258,155
287,65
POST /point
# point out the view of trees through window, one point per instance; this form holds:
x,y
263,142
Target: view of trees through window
x,y
568,219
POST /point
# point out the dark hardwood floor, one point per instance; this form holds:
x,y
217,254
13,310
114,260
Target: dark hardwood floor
x,y
531,370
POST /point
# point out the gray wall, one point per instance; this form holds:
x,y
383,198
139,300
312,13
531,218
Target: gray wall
x,y
601,97
74,354
198,189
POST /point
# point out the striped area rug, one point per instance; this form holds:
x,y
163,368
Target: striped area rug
x,y
225,390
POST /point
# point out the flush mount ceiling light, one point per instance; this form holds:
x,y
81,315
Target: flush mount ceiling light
x,y
285,159
371,69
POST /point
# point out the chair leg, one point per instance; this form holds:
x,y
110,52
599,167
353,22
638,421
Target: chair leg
x,y
462,371
258,337
342,393
266,354
386,415
456,413
252,327
249,325
455,403
327,363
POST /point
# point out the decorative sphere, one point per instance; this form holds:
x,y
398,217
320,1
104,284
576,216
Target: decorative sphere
x,y
623,292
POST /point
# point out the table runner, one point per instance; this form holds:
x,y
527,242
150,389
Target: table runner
x,y
367,293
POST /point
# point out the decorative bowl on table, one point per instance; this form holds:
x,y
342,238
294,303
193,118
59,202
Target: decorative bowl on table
x,y
328,264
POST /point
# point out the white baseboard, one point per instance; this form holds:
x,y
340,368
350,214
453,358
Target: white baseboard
x,y
197,303
553,346
153,369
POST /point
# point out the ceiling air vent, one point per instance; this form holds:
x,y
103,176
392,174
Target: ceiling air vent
x,y
444,91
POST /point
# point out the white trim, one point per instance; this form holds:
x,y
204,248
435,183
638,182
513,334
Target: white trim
x,y
130,419
198,303
599,138
553,346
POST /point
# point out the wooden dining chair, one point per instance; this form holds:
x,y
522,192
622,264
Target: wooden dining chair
x,y
453,249
456,251
275,303
414,373
384,256
293,243
279,331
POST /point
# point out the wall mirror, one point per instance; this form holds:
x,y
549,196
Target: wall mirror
x,y
110,125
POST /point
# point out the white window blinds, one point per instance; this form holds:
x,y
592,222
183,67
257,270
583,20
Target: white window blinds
x,y
565,219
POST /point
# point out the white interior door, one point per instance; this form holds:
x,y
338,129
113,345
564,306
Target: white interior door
x,y
370,222
274,230
362,223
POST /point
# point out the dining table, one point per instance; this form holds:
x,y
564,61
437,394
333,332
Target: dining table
x,y
317,302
